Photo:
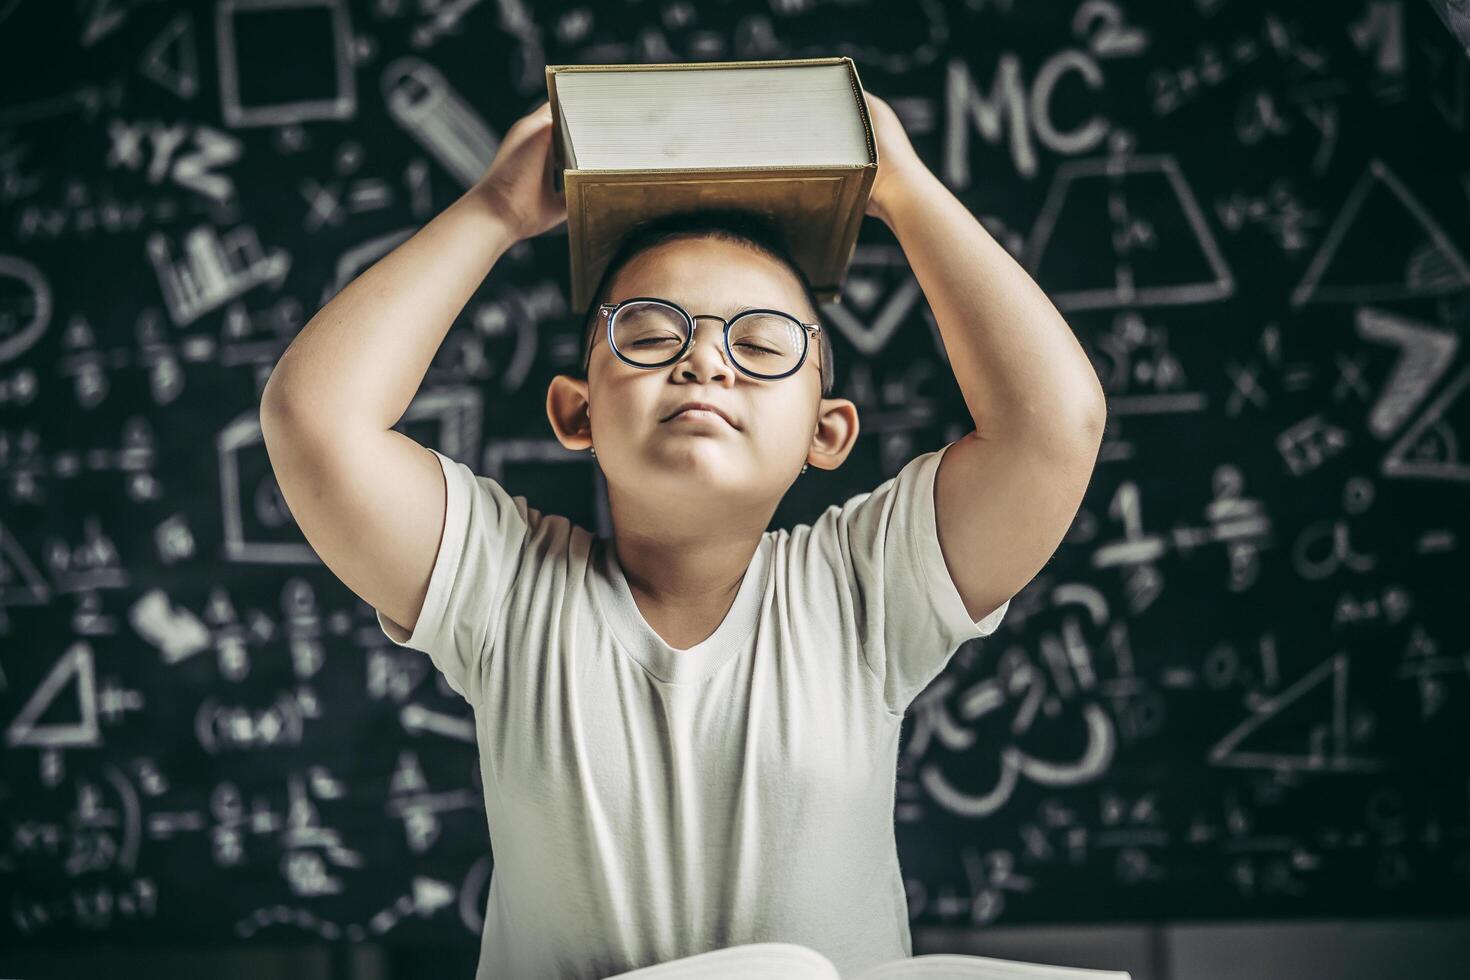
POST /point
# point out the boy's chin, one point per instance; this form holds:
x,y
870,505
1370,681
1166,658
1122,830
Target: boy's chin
x,y
710,466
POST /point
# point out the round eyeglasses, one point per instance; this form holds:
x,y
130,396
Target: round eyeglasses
x,y
648,332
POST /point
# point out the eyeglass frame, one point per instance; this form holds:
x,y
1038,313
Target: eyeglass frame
x,y
610,312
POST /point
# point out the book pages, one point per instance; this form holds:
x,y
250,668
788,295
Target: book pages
x,y
955,966
754,117
790,961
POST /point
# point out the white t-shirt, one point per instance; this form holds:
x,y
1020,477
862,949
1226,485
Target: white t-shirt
x,y
648,803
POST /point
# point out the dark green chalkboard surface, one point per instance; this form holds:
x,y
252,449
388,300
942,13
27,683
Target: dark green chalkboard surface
x,y
1239,689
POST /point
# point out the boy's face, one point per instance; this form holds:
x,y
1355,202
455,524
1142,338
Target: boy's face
x,y
777,425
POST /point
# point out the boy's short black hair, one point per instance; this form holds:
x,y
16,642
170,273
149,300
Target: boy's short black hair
x,y
740,227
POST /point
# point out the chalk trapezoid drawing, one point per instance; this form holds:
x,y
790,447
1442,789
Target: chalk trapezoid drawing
x,y
1125,232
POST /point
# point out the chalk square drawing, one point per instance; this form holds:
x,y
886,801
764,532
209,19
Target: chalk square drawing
x,y
238,33
256,522
352,262
565,495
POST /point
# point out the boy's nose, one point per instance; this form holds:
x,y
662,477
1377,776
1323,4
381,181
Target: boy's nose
x,y
715,337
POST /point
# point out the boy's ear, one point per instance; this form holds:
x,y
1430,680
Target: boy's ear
x,y
568,409
836,435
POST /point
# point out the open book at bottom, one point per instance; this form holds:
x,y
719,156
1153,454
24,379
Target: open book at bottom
x,y
792,961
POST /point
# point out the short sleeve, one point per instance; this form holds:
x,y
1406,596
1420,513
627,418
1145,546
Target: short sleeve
x,y
911,615
485,530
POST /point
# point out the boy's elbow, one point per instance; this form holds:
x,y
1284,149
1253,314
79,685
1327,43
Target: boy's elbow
x,y
277,412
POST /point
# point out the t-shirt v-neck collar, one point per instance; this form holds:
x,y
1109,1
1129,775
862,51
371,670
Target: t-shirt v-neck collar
x,y
642,642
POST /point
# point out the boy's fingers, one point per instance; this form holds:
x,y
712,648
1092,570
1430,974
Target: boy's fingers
x,y
536,115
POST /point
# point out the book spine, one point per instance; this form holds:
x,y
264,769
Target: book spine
x,y
862,104
558,156
845,242
577,242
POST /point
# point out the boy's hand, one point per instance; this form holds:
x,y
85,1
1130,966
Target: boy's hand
x,y
897,161
519,180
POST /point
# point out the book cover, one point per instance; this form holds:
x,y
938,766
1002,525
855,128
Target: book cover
x,y
817,208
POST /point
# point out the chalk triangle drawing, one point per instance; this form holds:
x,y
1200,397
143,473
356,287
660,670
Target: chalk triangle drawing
x,y
20,582
1431,446
1382,245
1124,232
102,18
408,777
78,334
172,58
1425,354
1307,720
27,727
878,295
1455,20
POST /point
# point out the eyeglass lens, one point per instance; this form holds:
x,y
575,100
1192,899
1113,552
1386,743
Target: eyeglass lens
x,y
764,344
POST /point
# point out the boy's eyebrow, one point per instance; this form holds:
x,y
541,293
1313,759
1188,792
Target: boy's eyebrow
x,y
733,313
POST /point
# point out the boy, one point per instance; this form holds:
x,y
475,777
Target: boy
x,y
688,733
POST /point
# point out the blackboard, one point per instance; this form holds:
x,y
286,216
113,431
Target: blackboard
x,y
1239,689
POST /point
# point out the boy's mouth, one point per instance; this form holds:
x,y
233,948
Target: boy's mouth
x,y
699,415
694,411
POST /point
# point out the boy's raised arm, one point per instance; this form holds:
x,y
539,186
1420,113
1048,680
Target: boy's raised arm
x,y
361,359
1006,493
370,500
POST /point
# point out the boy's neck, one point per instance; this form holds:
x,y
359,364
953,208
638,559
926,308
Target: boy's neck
x,y
684,596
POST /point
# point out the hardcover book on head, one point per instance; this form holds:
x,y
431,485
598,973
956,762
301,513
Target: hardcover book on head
x,y
790,140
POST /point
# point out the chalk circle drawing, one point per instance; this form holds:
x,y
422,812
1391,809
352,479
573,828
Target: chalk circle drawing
x,y
25,306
